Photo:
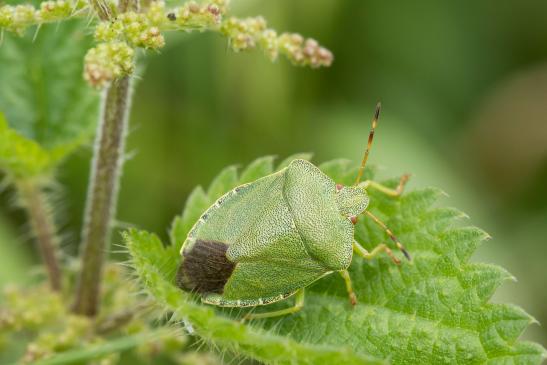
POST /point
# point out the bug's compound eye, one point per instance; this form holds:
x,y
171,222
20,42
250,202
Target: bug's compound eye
x,y
353,219
339,187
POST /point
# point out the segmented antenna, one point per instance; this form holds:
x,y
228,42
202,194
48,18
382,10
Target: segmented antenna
x,y
369,144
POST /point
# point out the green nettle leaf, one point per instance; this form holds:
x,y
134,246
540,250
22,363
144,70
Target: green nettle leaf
x,y
43,94
433,310
23,157
227,179
287,161
260,167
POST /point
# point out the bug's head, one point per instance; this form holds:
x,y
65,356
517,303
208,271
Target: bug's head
x,y
351,201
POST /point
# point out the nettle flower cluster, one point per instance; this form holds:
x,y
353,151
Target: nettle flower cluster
x,y
43,314
124,32
18,18
114,57
248,33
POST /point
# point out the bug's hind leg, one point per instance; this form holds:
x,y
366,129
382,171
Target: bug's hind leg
x,y
298,305
382,247
384,189
349,286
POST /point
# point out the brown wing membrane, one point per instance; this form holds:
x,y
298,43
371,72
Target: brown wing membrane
x,y
205,268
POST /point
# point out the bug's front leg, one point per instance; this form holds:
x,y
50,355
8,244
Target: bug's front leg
x,y
384,189
382,247
298,305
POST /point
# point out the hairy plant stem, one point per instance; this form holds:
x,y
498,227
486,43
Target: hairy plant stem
x,y
42,225
102,194
102,8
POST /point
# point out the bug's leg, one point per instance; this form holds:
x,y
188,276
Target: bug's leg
x,y
349,286
381,248
384,189
389,233
298,305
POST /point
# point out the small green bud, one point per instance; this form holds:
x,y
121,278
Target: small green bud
x,y
136,29
247,33
29,309
304,52
194,16
156,13
269,43
6,16
24,14
17,19
152,38
244,33
108,61
107,31
53,10
222,5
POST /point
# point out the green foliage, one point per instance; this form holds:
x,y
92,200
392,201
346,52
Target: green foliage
x,y
38,327
102,350
155,266
23,157
14,260
432,310
50,109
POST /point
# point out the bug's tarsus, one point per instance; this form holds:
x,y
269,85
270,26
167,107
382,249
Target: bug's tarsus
x,y
349,287
402,182
380,248
398,191
369,144
391,255
390,234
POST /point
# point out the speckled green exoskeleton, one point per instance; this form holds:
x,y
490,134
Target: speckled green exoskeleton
x,y
266,240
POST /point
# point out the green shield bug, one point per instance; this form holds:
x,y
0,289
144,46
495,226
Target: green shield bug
x,y
267,240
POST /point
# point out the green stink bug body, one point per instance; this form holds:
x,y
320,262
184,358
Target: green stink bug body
x,y
269,239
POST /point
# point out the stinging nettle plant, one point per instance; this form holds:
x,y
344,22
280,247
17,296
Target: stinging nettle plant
x,y
121,30
435,310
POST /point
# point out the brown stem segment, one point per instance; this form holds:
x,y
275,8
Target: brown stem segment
x,y
43,227
102,194
102,8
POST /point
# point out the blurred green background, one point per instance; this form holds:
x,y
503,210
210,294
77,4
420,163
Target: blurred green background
x,y
464,90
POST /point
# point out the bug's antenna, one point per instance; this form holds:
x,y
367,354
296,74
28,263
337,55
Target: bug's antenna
x,y
369,144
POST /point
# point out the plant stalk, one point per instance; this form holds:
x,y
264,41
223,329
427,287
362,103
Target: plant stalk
x,y
102,194
102,8
43,228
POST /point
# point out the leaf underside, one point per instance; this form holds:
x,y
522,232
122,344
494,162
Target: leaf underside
x,y
433,310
